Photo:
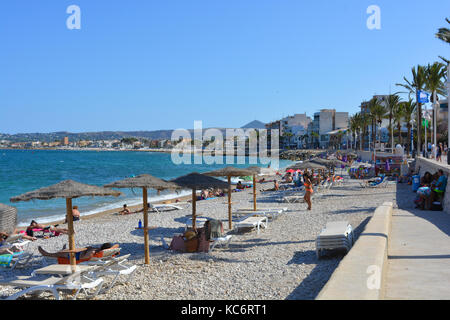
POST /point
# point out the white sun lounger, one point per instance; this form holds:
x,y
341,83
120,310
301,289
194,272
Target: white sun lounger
x,y
112,266
199,222
293,198
252,222
224,241
15,240
262,209
336,235
270,213
19,259
159,207
78,281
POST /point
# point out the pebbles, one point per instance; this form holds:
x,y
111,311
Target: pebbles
x,y
279,263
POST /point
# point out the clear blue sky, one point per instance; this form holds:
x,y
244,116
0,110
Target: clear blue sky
x,y
149,65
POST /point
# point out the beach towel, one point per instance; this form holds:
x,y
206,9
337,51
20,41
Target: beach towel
x,y
6,259
78,260
213,229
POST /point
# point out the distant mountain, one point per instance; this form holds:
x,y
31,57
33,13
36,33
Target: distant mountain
x,y
94,136
254,125
104,135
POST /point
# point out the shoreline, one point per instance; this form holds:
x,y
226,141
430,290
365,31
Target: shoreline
x,y
103,213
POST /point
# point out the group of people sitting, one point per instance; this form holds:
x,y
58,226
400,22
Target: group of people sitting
x,y
240,186
432,189
32,233
210,193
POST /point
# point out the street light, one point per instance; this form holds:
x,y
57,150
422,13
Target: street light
x,y
448,109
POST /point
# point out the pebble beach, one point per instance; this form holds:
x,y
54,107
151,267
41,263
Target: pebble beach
x,y
279,263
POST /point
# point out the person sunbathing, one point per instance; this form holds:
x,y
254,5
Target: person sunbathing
x,y
10,250
83,255
4,236
125,210
240,186
34,225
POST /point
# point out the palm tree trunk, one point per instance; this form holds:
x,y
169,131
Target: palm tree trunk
x,y
409,138
391,133
419,128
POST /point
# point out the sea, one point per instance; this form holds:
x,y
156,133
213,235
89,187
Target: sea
x,y
22,171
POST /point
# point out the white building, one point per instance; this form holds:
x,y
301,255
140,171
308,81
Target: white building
x,y
326,122
294,128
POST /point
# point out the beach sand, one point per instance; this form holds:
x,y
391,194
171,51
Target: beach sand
x,y
278,263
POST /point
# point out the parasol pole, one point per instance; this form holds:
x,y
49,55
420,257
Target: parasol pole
x,y
73,261
229,202
146,245
254,192
194,199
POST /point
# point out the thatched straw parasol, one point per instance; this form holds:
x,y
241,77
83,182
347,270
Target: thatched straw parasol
x,y
144,181
8,218
197,181
69,190
307,165
330,163
229,172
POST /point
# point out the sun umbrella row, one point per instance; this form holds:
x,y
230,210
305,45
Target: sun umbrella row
x,y
70,189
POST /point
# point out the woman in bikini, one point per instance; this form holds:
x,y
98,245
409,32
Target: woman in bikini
x,y
308,189
54,229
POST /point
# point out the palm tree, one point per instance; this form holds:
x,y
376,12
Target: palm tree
x,y
413,87
397,116
409,108
365,121
304,138
392,103
377,112
315,136
433,83
444,33
380,112
354,125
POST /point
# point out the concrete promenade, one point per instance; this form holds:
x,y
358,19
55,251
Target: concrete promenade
x,y
418,265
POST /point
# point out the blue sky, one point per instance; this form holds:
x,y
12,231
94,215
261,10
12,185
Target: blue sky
x,y
150,65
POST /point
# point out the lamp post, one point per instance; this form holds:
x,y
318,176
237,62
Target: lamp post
x,y
412,137
425,118
448,109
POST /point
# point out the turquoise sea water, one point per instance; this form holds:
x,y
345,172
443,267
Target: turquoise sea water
x,y
26,170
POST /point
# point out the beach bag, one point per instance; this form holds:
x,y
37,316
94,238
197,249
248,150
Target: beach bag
x,y
203,244
436,206
177,244
191,245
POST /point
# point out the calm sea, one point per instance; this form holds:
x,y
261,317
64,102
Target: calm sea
x,y
26,170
